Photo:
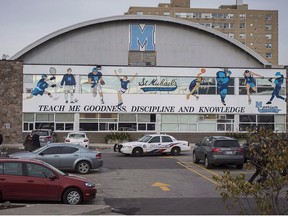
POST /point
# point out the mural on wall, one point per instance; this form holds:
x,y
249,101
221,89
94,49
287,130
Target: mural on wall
x,y
250,82
152,90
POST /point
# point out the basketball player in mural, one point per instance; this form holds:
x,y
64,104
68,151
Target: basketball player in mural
x,y
278,81
250,82
41,87
96,81
69,83
223,78
195,84
124,86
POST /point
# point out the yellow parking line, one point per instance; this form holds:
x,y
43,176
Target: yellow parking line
x,y
203,176
214,173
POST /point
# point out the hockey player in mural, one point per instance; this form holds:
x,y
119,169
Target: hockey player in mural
x,y
41,87
195,84
69,83
124,86
96,81
250,82
223,78
278,81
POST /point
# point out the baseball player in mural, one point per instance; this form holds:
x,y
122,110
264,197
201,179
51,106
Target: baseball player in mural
x,y
96,81
124,86
41,87
195,84
69,81
278,81
250,82
223,78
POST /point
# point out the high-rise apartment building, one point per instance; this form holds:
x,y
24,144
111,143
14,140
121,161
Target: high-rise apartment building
x,y
257,29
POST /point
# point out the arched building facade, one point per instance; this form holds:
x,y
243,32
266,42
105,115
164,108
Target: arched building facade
x,y
185,79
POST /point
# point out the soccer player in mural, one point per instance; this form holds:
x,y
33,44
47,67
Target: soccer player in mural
x,y
124,86
41,87
96,81
278,81
69,81
250,82
223,78
195,84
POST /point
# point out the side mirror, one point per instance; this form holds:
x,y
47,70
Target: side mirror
x,y
52,177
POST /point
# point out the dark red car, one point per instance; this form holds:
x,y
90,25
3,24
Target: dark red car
x,y
30,179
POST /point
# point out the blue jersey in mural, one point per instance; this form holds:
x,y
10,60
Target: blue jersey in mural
x,y
223,78
40,87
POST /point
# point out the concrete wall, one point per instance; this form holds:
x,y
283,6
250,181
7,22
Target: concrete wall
x,y
11,88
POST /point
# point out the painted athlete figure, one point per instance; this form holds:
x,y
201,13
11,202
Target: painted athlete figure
x,y
41,87
250,82
69,81
278,81
223,78
195,84
124,86
94,78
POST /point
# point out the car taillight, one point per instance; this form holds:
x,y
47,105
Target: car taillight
x,y
67,140
240,150
86,140
216,149
49,138
99,156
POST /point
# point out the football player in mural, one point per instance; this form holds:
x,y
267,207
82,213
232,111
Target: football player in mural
x,y
195,84
124,86
69,81
223,78
41,87
250,82
96,81
278,81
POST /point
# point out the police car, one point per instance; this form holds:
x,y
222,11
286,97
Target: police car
x,y
153,144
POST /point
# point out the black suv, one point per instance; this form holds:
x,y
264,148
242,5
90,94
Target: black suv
x,y
219,150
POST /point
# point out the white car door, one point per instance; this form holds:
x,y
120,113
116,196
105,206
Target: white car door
x,y
154,144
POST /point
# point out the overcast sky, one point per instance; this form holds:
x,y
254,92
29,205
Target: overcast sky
x,y
22,22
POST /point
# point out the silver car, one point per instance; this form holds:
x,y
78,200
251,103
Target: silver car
x,y
65,157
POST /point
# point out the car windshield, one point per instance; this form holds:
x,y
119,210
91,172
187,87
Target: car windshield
x,y
145,138
226,143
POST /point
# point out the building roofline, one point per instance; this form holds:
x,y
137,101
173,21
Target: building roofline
x,y
140,17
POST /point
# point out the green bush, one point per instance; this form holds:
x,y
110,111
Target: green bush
x,y
117,136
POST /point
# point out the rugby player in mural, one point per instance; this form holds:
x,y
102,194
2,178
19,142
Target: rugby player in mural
x,y
278,81
223,78
41,87
195,84
124,86
96,81
69,83
250,82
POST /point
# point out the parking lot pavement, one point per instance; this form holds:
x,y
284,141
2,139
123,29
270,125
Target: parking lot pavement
x,y
56,209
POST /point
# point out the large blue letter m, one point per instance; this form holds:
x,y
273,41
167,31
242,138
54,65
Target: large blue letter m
x,y
142,38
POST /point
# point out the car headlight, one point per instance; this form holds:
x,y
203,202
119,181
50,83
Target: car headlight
x,y
126,146
89,184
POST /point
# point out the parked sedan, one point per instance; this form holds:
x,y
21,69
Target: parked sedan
x,y
30,179
153,144
219,150
65,157
78,138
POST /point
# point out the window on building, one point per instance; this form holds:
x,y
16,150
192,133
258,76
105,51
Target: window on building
x,y
206,15
263,87
254,122
268,17
268,36
196,15
268,45
225,122
268,26
242,25
242,16
269,55
139,13
166,14
242,36
231,35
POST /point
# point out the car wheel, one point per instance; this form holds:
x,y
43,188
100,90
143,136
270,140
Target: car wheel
x,y
175,151
83,167
195,159
239,166
72,196
137,152
208,165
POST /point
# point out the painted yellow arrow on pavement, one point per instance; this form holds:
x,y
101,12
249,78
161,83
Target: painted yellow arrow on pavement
x,y
162,186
